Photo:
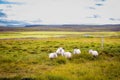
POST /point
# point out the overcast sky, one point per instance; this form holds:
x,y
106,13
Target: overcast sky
x,y
22,12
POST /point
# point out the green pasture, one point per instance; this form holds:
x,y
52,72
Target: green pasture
x,y
27,58
49,34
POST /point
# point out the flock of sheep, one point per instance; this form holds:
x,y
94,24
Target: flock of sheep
x,y
61,51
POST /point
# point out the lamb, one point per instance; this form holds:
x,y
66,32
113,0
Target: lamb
x,y
76,51
93,52
67,55
52,55
60,50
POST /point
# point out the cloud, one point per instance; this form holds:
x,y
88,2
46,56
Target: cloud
x,y
93,8
2,14
13,23
8,2
4,2
60,11
95,16
114,19
100,0
99,4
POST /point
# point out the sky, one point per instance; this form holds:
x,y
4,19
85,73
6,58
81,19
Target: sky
x,y
36,12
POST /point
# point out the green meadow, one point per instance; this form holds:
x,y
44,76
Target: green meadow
x,y
24,56
55,34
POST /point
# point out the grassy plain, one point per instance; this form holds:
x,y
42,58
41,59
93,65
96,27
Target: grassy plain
x,y
50,34
24,55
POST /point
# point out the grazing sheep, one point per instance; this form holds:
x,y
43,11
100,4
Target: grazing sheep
x,y
94,53
67,54
76,51
60,50
52,55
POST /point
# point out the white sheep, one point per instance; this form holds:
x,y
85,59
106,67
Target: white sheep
x,y
93,52
52,55
76,51
67,54
60,50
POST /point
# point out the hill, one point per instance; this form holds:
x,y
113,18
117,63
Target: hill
x,y
81,28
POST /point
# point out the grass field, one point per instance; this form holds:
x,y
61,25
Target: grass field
x,y
25,56
58,34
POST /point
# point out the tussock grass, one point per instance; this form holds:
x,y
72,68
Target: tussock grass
x,y
27,59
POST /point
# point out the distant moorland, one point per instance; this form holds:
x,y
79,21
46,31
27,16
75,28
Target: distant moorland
x,y
82,28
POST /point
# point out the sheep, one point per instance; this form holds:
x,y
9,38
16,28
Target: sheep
x,y
76,51
67,55
93,52
60,50
52,55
